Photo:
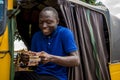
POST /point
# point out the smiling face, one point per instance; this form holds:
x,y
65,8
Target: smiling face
x,y
48,22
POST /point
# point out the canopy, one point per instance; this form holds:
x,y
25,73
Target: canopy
x,y
91,29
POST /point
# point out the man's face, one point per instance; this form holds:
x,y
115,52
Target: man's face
x,y
47,22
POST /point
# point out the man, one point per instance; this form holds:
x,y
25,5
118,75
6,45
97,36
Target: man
x,y
56,47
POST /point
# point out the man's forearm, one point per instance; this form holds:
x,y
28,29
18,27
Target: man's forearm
x,y
66,61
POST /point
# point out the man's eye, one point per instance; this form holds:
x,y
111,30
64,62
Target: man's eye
x,y
49,22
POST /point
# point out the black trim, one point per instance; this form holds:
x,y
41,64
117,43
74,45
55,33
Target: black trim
x,y
2,52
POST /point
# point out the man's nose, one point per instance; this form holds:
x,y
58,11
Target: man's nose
x,y
44,25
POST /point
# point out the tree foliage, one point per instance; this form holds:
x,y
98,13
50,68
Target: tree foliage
x,y
89,1
99,4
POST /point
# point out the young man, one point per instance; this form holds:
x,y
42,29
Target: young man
x,y
56,47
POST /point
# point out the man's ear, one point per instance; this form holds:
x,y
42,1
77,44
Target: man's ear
x,y
58,20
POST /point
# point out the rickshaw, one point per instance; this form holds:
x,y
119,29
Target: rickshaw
x,y
92,27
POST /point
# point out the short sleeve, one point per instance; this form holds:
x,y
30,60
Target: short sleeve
x,y
68,41
33,42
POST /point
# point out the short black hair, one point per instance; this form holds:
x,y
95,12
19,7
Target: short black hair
x,y
50,9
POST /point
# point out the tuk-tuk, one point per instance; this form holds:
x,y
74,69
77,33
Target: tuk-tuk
x,y
91,25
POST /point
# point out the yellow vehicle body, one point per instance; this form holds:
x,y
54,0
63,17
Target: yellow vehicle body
x,y
5,58
114,71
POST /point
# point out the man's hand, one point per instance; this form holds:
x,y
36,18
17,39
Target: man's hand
x,y
60,60
45,57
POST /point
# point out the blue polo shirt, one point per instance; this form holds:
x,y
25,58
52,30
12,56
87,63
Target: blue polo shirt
x,y
60,43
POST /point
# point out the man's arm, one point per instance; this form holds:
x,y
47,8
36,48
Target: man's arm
x,y
68,61
71,60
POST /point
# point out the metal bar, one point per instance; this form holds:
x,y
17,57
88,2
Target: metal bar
x,y
11,47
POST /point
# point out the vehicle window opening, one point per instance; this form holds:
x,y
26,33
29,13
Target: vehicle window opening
x,y
2,16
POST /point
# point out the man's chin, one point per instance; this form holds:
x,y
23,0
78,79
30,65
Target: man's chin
x,y
46,34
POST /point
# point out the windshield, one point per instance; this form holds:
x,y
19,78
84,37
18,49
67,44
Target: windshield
x,y
1,10
2,16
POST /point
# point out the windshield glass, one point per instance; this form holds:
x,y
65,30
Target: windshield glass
x,y
1,10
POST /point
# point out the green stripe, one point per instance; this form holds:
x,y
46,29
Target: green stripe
x,y
95,52
11,46
11,28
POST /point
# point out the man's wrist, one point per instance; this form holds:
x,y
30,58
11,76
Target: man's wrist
x,y
52,58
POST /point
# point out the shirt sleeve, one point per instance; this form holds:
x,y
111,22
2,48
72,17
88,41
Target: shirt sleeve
x,y
33,42
68,41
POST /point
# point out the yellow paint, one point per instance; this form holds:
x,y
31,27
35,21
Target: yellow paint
x,y
115,71
5,61
10,4
4,46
